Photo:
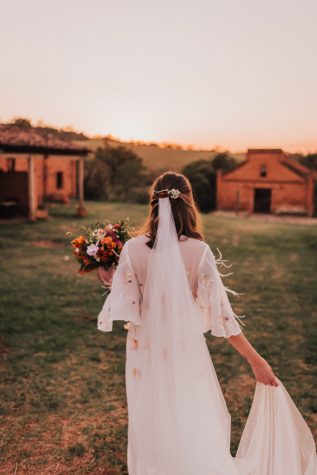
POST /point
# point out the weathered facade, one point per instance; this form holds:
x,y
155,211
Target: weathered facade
x,y
36,167
267,182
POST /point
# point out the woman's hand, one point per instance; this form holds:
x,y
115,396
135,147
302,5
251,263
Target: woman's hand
x,y
105,275
263,372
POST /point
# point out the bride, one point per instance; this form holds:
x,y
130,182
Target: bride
x,y
169,288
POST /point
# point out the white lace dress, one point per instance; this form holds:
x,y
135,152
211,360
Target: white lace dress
x,y
176,427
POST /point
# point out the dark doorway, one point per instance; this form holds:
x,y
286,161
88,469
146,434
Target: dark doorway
x,y
262,200
13,194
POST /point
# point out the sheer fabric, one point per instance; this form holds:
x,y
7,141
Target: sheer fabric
x,y
276,437
123,302
178,419
218,316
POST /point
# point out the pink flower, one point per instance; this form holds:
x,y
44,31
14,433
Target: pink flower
x,y
92,250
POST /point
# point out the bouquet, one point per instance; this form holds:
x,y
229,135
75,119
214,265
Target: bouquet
x,y
100,245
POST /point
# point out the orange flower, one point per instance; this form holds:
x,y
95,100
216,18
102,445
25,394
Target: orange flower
x,y
79,241
106,240
86,261
103,255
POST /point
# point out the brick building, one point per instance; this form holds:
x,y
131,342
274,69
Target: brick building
x,y
268,181
37,166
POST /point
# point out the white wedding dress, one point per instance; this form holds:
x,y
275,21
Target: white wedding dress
x,y
178,419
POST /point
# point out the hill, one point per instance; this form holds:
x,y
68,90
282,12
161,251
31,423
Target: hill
x,y
155,157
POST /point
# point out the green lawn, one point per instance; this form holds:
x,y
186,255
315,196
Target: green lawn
x,y
63,406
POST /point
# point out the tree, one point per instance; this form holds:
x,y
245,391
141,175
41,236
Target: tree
x,y
115,173
96,181
203,179
22,122
202,175
223,161
309,160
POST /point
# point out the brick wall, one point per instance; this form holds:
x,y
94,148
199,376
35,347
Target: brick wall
x,y
52,164
285,197
290,191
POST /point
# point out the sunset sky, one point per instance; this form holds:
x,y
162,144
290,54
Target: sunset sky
x,y
233,73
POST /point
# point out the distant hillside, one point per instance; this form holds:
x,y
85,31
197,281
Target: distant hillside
x,y
67,134
155,157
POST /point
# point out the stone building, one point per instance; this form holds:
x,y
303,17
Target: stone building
x,y
268,181
37,166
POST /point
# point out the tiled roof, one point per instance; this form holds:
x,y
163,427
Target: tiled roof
x,y
33,139
296,167
286,160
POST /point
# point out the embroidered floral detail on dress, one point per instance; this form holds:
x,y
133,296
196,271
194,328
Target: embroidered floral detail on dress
x,y
136,372
127,277
205,281
134,344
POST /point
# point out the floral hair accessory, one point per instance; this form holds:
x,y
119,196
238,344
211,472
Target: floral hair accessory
x,y
173,193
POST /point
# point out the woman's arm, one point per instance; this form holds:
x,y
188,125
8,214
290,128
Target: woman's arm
x,y
105,276
261,369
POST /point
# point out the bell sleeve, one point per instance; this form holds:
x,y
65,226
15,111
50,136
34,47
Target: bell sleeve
x,y
123,301
212,298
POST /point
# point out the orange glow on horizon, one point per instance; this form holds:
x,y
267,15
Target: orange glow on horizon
x,y
231,146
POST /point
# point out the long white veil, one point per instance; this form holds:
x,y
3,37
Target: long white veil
x,y
179,419
176,372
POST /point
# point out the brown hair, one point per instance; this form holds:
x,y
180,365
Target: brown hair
x,y
185,212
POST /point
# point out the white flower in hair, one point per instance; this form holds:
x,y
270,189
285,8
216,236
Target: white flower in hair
x,y
173,193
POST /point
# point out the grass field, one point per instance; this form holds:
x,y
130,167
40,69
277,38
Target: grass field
x,y
63,407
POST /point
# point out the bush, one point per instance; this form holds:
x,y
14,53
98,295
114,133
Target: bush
x,y
114,174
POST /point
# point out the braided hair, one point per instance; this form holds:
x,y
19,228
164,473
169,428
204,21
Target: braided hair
x,y
186,216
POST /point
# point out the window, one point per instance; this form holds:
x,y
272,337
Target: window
x,y
11,164
59,180
263,171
